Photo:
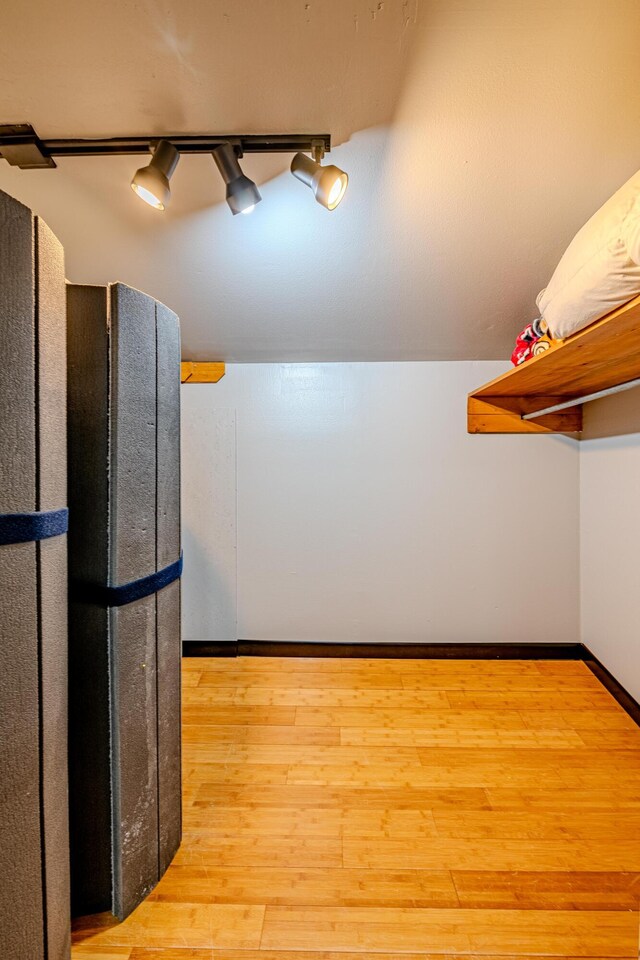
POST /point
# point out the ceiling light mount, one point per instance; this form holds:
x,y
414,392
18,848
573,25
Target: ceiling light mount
x,y
21,146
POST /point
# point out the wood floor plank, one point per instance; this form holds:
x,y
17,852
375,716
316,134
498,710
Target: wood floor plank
x,y
596,699
611,739
613,718
465,737
351,697
90,951
539,825
251,773
412,775
582,933
547,890
237,821
309,886
553,684
404,718
292,753
333,681
191,678
452,854
178,925
395,809
576,798
234,715
187,954
258,733
277,666
304,797
201,848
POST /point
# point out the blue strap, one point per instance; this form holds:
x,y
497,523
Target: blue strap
x,y
27,527
128,592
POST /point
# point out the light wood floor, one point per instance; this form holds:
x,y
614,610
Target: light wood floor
x,y
352,809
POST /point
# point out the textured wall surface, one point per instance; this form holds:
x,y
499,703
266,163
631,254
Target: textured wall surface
x,y
610,533
209,516
34,870
124,491
364,511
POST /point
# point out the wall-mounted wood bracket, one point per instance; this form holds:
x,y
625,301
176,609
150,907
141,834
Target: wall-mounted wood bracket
x,y
194,372
603,358
504,415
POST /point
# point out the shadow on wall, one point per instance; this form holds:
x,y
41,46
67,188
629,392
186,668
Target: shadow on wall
x,y
205,594
616,417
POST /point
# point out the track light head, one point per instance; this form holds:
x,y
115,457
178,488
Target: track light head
x,y
328,183
151,183
242,193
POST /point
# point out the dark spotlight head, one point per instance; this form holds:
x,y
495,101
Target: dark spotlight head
x,y
328,183
242,193
151,183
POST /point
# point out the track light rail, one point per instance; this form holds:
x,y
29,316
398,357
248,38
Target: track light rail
x,y
21,146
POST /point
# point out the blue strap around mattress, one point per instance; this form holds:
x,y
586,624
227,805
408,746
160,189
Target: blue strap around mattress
x,y
128,592
27,527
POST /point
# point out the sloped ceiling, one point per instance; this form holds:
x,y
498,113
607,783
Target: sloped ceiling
x,y
478,135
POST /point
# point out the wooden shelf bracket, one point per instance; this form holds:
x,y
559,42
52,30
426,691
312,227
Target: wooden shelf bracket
x,y
545,394
192,371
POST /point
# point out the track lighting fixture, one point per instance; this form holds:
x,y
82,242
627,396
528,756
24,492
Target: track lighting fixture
x,y
242,193
151,183
328,183
21,147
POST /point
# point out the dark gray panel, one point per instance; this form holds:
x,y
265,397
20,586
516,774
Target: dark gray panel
x,y
21,900
52,555
168,600
34,852
133,627
89,737
124,486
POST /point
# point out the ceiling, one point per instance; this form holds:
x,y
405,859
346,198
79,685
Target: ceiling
x,y
478,136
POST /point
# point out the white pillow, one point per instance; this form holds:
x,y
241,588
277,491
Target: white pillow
x,y
600,269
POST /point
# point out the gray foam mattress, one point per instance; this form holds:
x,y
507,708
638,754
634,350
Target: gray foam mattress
x,y
124,661
34,866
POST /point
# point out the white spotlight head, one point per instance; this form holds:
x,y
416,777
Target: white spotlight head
x,y
151,183
328,183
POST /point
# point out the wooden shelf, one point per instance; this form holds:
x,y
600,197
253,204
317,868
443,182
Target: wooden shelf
x,y
604,355
193,372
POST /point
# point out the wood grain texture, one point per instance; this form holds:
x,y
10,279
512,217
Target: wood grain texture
x,y
490,416
428,809
194,372
603,355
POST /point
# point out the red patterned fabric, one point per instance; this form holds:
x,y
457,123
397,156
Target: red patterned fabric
x,y
526,342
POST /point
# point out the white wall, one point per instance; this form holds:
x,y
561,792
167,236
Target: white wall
x,y
610,535
361,510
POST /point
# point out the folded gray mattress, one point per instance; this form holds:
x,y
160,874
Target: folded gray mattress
x,y
34,863
124,636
